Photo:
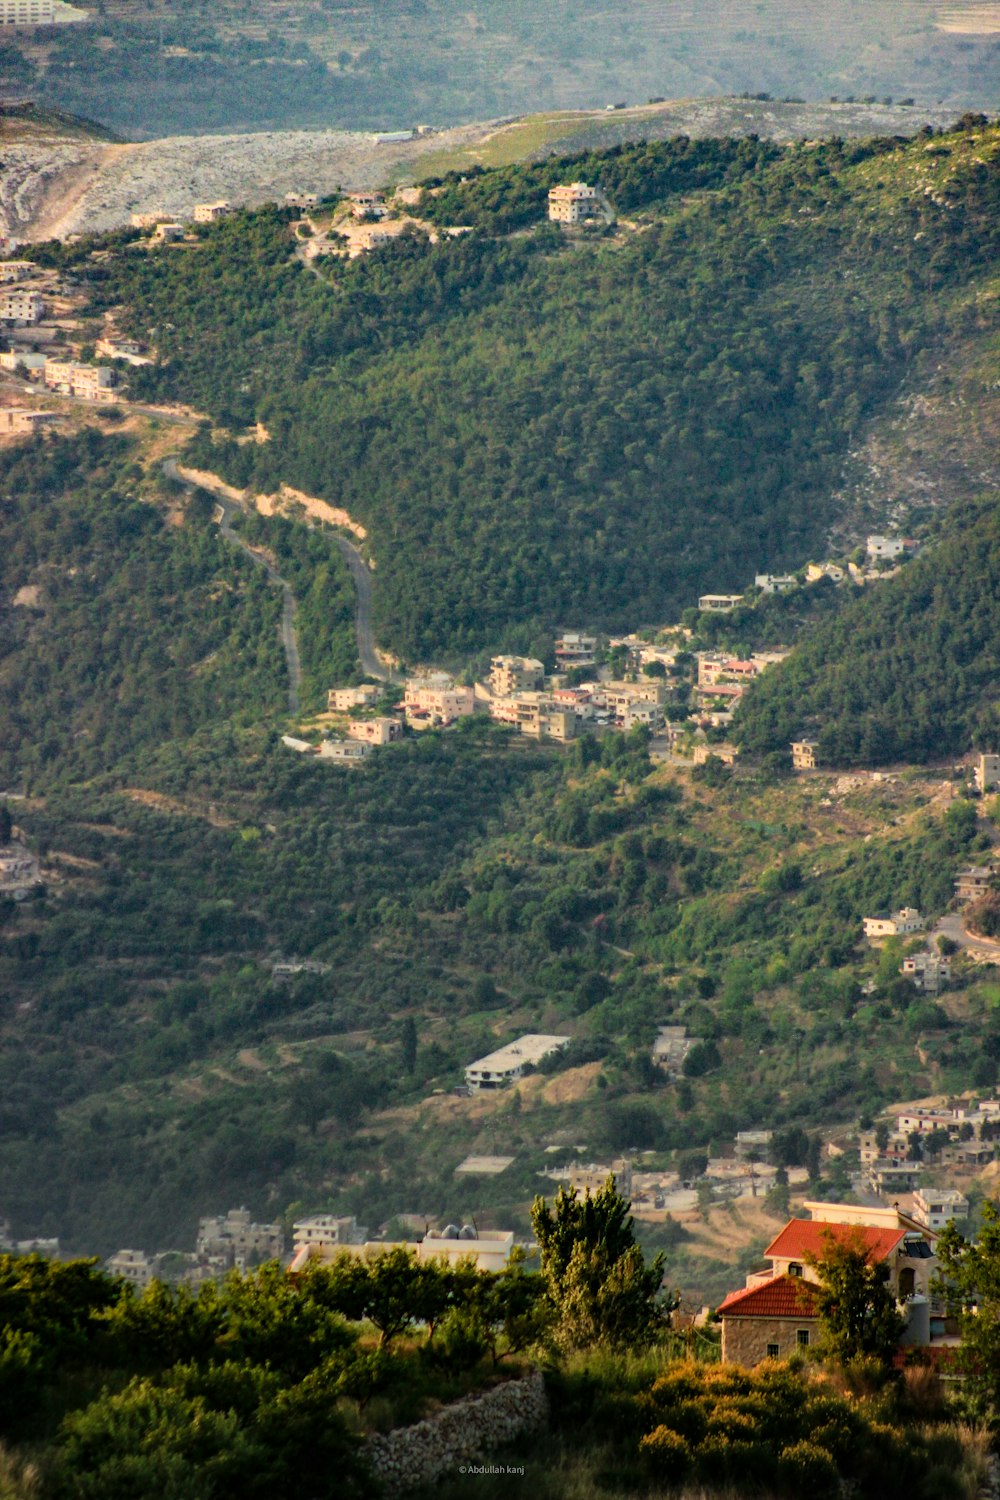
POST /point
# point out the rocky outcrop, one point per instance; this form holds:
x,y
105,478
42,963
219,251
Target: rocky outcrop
x,y
460,1435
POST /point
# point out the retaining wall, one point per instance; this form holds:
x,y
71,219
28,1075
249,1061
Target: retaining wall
x,y
461,1433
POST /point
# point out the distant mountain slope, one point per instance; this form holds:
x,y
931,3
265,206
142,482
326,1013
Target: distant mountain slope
x,y
278,64
533,432
908,671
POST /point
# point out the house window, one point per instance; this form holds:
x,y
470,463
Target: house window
x,y
802,1338
795,1269
772,1351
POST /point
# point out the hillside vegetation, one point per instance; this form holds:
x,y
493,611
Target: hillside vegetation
x,y
908,672
222,65
534,432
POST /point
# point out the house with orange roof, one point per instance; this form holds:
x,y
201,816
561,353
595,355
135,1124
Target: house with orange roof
x,y
776,1313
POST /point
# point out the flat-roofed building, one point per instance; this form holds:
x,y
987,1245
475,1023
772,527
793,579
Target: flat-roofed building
x,y
39,13
804,753
975,881
133,1266
893,924
15,419
573,203
346,752
328,1229
441,703
719,604
515,674
575,649
166,233
340,700
21,305
16,270
88,382
987,772
380,731
209,213
507,1064
936,1207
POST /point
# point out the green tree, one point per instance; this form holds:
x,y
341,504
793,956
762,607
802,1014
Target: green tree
x,y
596,1277
858,1314
6,824
970,1278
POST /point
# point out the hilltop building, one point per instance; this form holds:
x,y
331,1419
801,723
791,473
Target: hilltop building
x,y
719,603
210,213
804,753
573,203
381,731
340,700
21,306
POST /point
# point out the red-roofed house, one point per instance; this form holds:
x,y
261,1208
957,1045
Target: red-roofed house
x,y
771,1321
775,1313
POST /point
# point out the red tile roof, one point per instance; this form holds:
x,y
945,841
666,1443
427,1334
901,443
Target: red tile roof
x,y
784,1297
801,1238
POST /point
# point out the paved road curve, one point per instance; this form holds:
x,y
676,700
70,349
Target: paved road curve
x,y
371,664
289,640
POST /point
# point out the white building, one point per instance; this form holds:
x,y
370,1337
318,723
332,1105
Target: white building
x,y
936,1207
886,548
507,1064
30,364
670,1048
21,306
38,13
489,1249
774,583
894,924
574,649
572,203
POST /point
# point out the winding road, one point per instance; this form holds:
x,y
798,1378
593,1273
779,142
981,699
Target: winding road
x,y
228,508
371,664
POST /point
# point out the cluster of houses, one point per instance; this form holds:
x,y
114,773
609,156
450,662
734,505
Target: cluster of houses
x,y
878,550
893,1159
68,377
225,1243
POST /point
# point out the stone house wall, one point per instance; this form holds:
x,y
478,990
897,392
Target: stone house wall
x,y
745,1340
462,1433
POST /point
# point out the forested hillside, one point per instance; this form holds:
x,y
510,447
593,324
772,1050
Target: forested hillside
x,y
533,431
909,671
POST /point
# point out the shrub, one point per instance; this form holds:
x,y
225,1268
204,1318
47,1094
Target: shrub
x,y
805,1469
667,1454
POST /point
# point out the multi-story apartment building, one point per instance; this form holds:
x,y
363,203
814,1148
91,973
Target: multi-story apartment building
x,y
573,203
21,306
515,674
89,382
39,13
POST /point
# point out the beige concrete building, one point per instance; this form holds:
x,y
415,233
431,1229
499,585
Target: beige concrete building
x,y
16,270
573,203
19,419
168,233
89,382
443,704
341,700
133,1266
381,731
488,1249
804,753
210,213
987,772
975,881
328,1229
936,1207
515,674
719,604
346,752
237,1240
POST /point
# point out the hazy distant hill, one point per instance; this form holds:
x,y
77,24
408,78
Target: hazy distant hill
x,y
149,67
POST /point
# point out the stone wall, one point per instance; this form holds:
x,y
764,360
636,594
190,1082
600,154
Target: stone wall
x,y
461,1433
745,1341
